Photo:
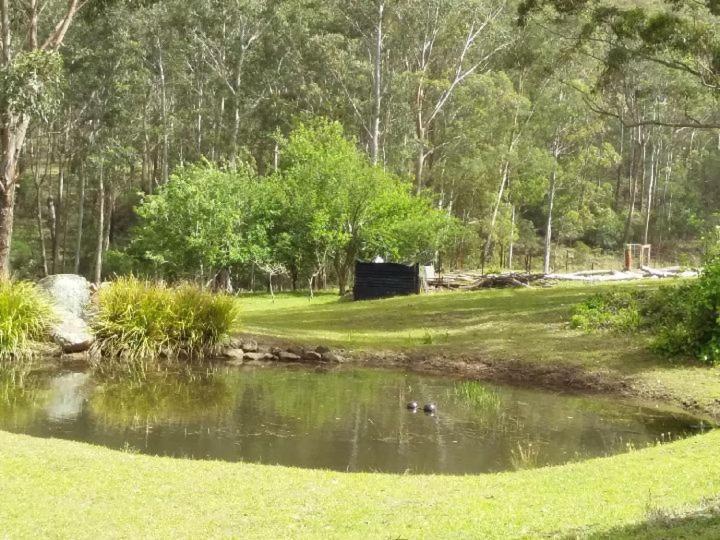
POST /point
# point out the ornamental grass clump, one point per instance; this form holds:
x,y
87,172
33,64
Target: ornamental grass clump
x,y
25,316
139,323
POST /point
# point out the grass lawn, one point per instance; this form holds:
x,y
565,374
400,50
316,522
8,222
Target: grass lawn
x,y
53,488
65,489
530,325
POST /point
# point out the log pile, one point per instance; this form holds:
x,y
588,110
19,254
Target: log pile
x,y
472,281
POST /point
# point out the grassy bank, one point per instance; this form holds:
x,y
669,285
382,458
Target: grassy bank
x,y
530,325
63,489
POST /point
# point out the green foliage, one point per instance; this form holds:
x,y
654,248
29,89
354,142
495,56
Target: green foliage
x,y
204,219
30,84
25,316
337,206
611,310
140,323
327,203
683,320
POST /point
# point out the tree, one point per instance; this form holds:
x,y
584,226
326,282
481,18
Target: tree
x,y
341,207
30,68
683,38
204,222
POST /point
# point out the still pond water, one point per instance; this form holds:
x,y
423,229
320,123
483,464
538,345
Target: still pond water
x,y
347,420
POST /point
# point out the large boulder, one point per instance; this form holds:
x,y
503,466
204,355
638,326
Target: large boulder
x,y
69,292
70,295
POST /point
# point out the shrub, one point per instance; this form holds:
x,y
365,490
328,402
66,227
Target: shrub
x,y
25,315
683,320
688,318
140,322
611,310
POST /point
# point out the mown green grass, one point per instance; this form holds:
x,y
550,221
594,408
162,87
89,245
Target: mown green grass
x,y
530,325
54,488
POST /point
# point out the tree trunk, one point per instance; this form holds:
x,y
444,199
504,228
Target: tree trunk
x,y
512,238
420,134
236,128
638,169
7,210
551,205
81,216
650,191
41,232
164,112
13,137
57,220
377,88
100,226
110,210
496,209
53,226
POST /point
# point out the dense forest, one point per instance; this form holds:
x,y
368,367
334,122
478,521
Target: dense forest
x,y
498,133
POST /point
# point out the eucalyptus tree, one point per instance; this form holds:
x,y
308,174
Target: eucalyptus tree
x,y
30,70
682,38
445,43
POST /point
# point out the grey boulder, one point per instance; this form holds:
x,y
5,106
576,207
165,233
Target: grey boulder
x,y
70,297
69,292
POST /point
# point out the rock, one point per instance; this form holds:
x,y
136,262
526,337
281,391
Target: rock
x,y
249,345
69,292
287,356
235,343
275,351
299,351
70,297
75,357
312,356
322,349
71,332
258,356
333,358
234,354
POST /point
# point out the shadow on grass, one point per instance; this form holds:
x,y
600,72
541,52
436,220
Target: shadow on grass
x,y
703,522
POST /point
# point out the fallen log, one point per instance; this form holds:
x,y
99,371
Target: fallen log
x,y
499,281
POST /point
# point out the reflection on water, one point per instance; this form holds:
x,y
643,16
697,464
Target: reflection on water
x,y
67,397
352,420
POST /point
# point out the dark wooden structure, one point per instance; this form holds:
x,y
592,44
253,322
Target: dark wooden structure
x,y
383,280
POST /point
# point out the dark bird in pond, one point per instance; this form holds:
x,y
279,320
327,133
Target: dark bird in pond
x,y
430,408
412,406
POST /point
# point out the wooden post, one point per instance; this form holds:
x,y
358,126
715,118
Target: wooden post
x,y
628,258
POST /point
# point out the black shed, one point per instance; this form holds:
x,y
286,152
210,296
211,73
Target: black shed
x,y
383,280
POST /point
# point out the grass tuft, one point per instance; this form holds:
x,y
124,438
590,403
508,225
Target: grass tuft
x,y
25,315
139,323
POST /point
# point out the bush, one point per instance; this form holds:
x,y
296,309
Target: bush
x,y
683,320
612,310
688,317
25,315
140,322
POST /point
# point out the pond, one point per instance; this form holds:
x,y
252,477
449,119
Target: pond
x,y
342,419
